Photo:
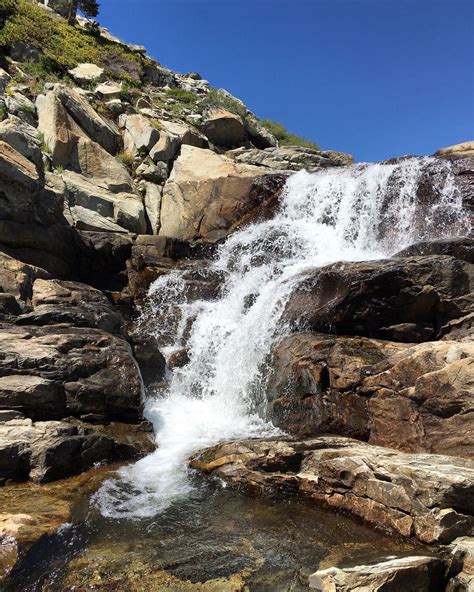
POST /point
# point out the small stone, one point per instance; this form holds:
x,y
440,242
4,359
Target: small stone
x,y
109,91
87,72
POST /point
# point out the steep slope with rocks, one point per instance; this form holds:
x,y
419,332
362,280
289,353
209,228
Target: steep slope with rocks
x,y
115,171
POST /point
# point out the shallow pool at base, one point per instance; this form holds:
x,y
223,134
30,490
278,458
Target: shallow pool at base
x,y
216,540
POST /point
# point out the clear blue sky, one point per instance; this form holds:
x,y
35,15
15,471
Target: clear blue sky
x,y
376,78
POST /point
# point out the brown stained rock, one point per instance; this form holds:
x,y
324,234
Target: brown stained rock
x,y
17,278
416,398
425,496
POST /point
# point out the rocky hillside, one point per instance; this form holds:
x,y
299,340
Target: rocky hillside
x,y
114,171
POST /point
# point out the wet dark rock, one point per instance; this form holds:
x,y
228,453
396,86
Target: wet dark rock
x,y
460,248
94,370
407,299
151,361
45,451
59,302
178,359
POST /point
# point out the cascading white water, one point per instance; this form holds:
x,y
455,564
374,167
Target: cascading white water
x,y
356,213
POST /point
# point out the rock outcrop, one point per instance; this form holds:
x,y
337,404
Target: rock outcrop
x,y
421,495
206,195
416,398
136,172
409,300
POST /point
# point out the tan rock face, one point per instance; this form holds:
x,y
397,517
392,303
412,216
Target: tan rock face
x,y
223,128
417,495
416,398
91,205
206,193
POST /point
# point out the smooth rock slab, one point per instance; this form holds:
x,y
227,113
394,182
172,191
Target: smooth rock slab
x,y
206,194
407,574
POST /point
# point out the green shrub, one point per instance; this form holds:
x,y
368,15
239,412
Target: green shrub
x,y
181,95
125,159
63,46
217,99
43,146
3,112
286,138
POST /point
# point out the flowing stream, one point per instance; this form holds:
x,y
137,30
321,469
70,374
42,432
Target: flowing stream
x,y
357,213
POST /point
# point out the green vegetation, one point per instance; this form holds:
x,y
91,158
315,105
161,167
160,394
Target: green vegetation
x,y
3,112
63,46
125,159
286,138
43,146
181,95
216,99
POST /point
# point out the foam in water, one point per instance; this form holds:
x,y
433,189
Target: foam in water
x,y
356,213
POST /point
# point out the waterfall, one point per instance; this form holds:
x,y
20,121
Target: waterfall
x,y
355,213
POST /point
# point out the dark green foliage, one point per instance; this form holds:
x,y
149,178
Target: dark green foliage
x,y
90,8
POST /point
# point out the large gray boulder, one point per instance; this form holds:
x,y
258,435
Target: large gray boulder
x,y
291,158
23,137
139,135
90,206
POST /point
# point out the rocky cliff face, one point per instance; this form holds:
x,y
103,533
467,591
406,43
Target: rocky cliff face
x,y
112,175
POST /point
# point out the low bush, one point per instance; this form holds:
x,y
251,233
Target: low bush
x,y
63,46
217,99
286,138
181,95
